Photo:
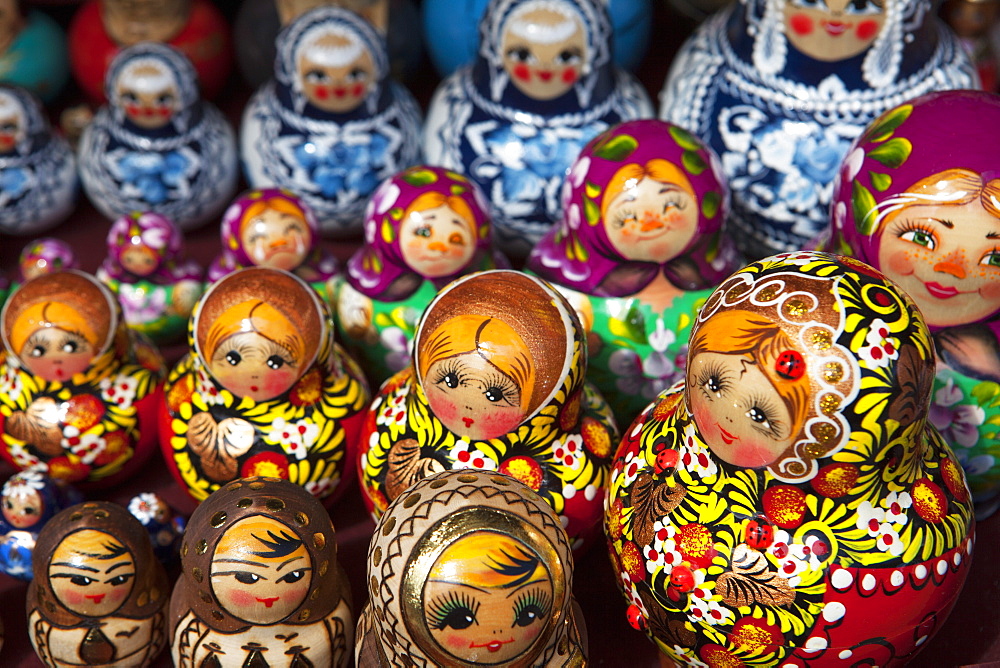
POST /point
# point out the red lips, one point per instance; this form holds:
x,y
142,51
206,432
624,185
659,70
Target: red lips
x,y
268,602
726,436
941,291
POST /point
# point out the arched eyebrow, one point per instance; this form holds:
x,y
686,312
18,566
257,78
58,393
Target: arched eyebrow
x,y
288,561
67,564
241,561
118,565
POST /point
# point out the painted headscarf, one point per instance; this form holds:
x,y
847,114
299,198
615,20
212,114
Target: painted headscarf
x,y
33,128
378,270
47,254
157,233
280,500
149,588
174,69
433,516
304,31
597,77
577,253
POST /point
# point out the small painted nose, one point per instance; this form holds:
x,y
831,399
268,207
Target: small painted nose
x,y
437,246
953,268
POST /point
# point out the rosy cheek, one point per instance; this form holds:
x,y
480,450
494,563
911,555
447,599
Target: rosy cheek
x,y
455,641
866,30
296,594
445,409
752,455
990,291
164,112
118,594
241,599
522,72
358,90
501,420
279,381
322,92
132,109
569,75
705,420
73,597
900,263
801,24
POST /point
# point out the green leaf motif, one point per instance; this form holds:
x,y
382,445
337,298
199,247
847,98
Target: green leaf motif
x,y
458,190
684,139
881,182
396,213
693,163
883,127
631,327
865,209
592,190
892,153
419,177
590,211
616,148
986,393
382,320
710,204
387,232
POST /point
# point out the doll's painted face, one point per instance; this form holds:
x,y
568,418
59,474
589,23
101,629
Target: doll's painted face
x,y
276,239
250,365
261,571
337,72
947,257
139,259
56,354
91,573
544,52
832,30
436,242
10,132
23,509
488,598
148,95
651,221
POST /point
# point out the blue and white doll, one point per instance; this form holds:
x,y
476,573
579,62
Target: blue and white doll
x,y
28,500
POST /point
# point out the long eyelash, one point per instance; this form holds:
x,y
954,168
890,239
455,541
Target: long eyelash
x,y
534,597
73,337
766,406
678,203
229,346
911,226
442,606
450,366
714,369
622,216
506,386
32,342
272,348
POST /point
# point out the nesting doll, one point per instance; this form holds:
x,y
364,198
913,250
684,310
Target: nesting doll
x,y
261,583
917,199
639,248
331,125
156,145
272,227
497,383
145,267
975,23
99,596
470,568
790,503
32,50
38,184
424,227
78,392
542,86
780,88
45,256
101,29
29,500
264,389
164,525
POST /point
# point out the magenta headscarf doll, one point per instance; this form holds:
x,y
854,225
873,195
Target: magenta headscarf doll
x,y
43,256
148,246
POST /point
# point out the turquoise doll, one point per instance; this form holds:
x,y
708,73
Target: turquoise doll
x,y
424,227
32,50
640,246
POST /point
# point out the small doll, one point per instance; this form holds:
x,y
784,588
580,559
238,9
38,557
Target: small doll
x,y
470,568
28,500
101,29
331,125
497,383
789,502
272,227
78,393
32,50
163,524
543,85
45,256
263,390
640,247
156,145
38,184
261,584
145,267
99,596
424,227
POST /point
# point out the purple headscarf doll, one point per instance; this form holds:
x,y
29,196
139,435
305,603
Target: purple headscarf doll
x,y
147,246
43,256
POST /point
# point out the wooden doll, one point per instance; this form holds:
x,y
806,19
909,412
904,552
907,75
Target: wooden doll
x,y
164,525
32,50
156,145
780,88
263,390
272,227
640,246
424,227
790,502
261,584
543,85
145,267
45,256
99,596
331,125
78,393
38,185
497,383
467,569
975,23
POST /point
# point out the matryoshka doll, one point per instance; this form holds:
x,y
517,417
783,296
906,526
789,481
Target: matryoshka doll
x,y
78,391
424,227
32,50
28,500
156,145
261,583
101,29
790,503
38,184
145,267
780,88
497,383
331,125
45,256
470,568
99,596
917,198
639,248
275,228
264,389
975,23
542,86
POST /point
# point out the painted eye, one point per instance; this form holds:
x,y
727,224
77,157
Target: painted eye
x,y
70,347
119,580
456,239
920,238
758,416
519,54
165,100
38,351
568,57
8,128
458,618
276,362
713,384
246,578
864,7
81,580
315,77
294,576
494,394
527,615
357,74
423,231
233,358
128,97
991,259
451,380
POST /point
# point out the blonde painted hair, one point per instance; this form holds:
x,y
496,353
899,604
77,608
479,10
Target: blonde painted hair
x,y
657,169
434,199
262,319
952,187
486,559
56,315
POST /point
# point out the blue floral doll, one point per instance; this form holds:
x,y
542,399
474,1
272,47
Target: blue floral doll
x,y
156,146
331,125
164,525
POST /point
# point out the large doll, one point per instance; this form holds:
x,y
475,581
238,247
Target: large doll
x,y
264,389
789,502
424,227
497,383
640,246
332,124
32,50
78,393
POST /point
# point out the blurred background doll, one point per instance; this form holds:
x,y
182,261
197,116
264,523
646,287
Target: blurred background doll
x,y
32,50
